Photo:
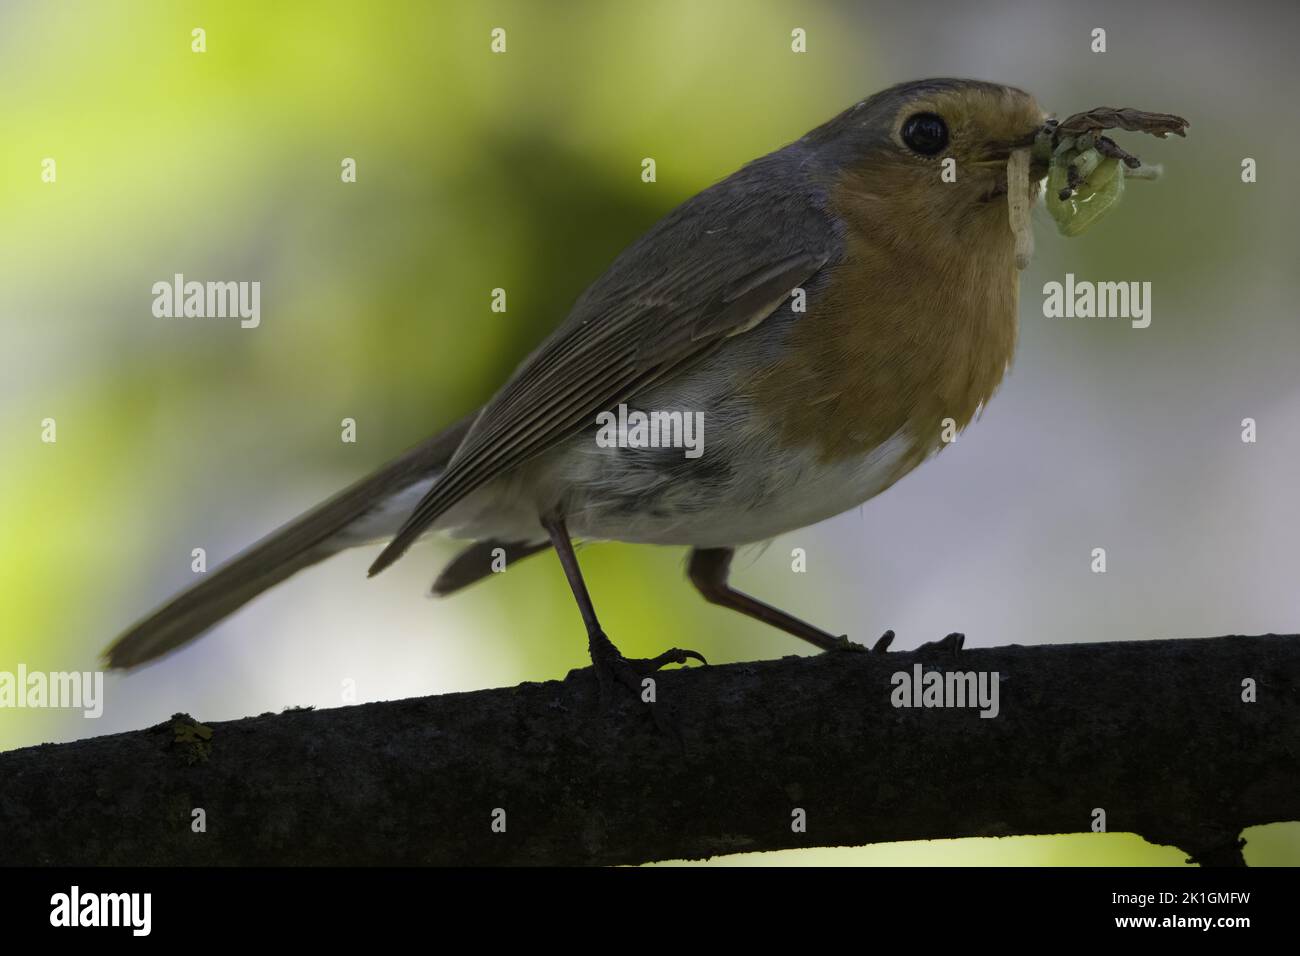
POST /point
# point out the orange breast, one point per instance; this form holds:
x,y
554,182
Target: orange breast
x,y
918,325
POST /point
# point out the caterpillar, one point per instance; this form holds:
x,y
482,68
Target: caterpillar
x,y
1085,170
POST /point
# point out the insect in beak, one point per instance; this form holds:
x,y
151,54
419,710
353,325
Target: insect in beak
x,y
1085,170
999,157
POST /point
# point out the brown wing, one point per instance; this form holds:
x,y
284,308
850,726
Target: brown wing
x,y
715,267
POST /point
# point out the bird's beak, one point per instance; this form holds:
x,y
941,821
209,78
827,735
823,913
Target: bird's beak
x,y
998,153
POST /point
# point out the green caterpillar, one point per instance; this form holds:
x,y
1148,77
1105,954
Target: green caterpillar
x,y
1102,187
1086,171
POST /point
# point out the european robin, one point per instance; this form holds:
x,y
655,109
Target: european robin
x,y
825,309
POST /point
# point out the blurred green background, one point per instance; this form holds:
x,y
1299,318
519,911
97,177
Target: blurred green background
x,y
522,171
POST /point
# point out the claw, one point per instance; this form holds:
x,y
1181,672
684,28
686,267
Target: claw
x,y
951,644
648,665
612,667
842,643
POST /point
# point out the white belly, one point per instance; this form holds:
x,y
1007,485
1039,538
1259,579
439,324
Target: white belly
x,y
751,492
743,489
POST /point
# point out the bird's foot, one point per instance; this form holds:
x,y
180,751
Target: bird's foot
x,y
952,644
613,670
843,644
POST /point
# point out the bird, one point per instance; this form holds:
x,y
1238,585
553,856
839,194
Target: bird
x,y
828,311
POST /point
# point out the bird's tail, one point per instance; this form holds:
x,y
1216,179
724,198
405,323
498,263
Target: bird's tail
x,y
310,538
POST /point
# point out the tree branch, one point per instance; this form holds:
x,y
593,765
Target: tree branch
x,y
1154,733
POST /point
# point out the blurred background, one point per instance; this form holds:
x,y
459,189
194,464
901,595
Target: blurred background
x,y
522,171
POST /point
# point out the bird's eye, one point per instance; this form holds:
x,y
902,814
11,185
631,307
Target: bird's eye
x,y
925,133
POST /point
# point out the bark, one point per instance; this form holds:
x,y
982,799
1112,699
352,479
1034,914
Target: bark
x,y
1154,733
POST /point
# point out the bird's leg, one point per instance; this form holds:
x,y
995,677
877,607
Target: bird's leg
x,y
610,665
708,571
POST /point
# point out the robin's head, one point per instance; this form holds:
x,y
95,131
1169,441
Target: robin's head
x,y
887,155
